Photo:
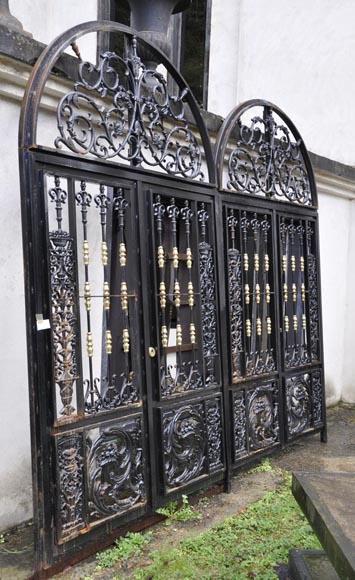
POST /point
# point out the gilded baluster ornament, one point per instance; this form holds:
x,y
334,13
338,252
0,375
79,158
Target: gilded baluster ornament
x,y
122,254
190,294
268,325
189,258
124,296
285,292
293,263
164,336
162,294
246,262
284,263
108,342
266,263
257,293
303,292
87,296
267,293
256,262
192,333
175,254
286,323
125,340
106,296
302,264
304,322
104,253
294,292
247,294
258,326
295,322
248,327
178,335
89,344
86,254
177,294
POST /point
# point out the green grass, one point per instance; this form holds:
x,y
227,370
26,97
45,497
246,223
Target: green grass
x,y
183,513
127,547
244,546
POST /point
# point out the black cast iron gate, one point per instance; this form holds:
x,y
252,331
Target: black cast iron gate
x,y
173,327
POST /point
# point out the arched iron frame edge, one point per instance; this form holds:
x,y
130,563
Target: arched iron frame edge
x,y
228,126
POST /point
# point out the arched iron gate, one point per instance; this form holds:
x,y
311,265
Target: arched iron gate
x,y
154,300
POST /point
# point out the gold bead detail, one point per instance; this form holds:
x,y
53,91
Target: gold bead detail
x,y
256,262
106,294
304,322
246,262
247,294
177,295
190,294
267,293
86,252
108,342
294,293
175,257
87,295
266,263
293,263
125,340
188,258
302,264
122,254
268,325
303,292
178,335
162,293
164,336
124,296
89,344
284,263
257,293
192,333
104,253
295,322
248,328
285,292
287,324
161,257
258,326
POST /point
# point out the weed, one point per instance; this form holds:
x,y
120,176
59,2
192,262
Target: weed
x,y
176,513
263,467
127,547
248,545
2,539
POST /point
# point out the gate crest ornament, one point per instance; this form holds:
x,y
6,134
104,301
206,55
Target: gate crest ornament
x,y
122,109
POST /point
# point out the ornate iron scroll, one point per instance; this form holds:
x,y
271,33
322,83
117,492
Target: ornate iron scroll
x,y
298,404
239,425
115,461
208,298
263,416
313,294
317,399
184,444
235,299
71,484
64,316
214,433
268,159
122,109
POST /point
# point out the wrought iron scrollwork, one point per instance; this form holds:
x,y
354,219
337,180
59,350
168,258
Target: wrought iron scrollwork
x,y
313,295
317,399
268,159
71,483
298,404
214,434
64,316
263,416
131,116
239,425
116,480
184,444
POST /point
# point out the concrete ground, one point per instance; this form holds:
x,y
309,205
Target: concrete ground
x,y
307,454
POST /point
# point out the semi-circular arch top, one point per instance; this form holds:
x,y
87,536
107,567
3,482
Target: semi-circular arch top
x,y
259,152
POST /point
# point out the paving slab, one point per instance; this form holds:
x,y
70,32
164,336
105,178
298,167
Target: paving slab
x,y
328,502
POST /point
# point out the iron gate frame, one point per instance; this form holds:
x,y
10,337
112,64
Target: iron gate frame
x,y
35,159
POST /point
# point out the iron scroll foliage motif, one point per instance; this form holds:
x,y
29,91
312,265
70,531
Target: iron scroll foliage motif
x,y
119,108
298,404
263,417
115,460
264,155
71,484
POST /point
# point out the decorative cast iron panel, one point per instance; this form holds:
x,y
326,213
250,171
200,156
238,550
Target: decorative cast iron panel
x,y
186,297
263,419
317,398
239,425
119,108
298,404
115,469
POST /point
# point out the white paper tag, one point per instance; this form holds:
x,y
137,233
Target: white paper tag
x,y
42,324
